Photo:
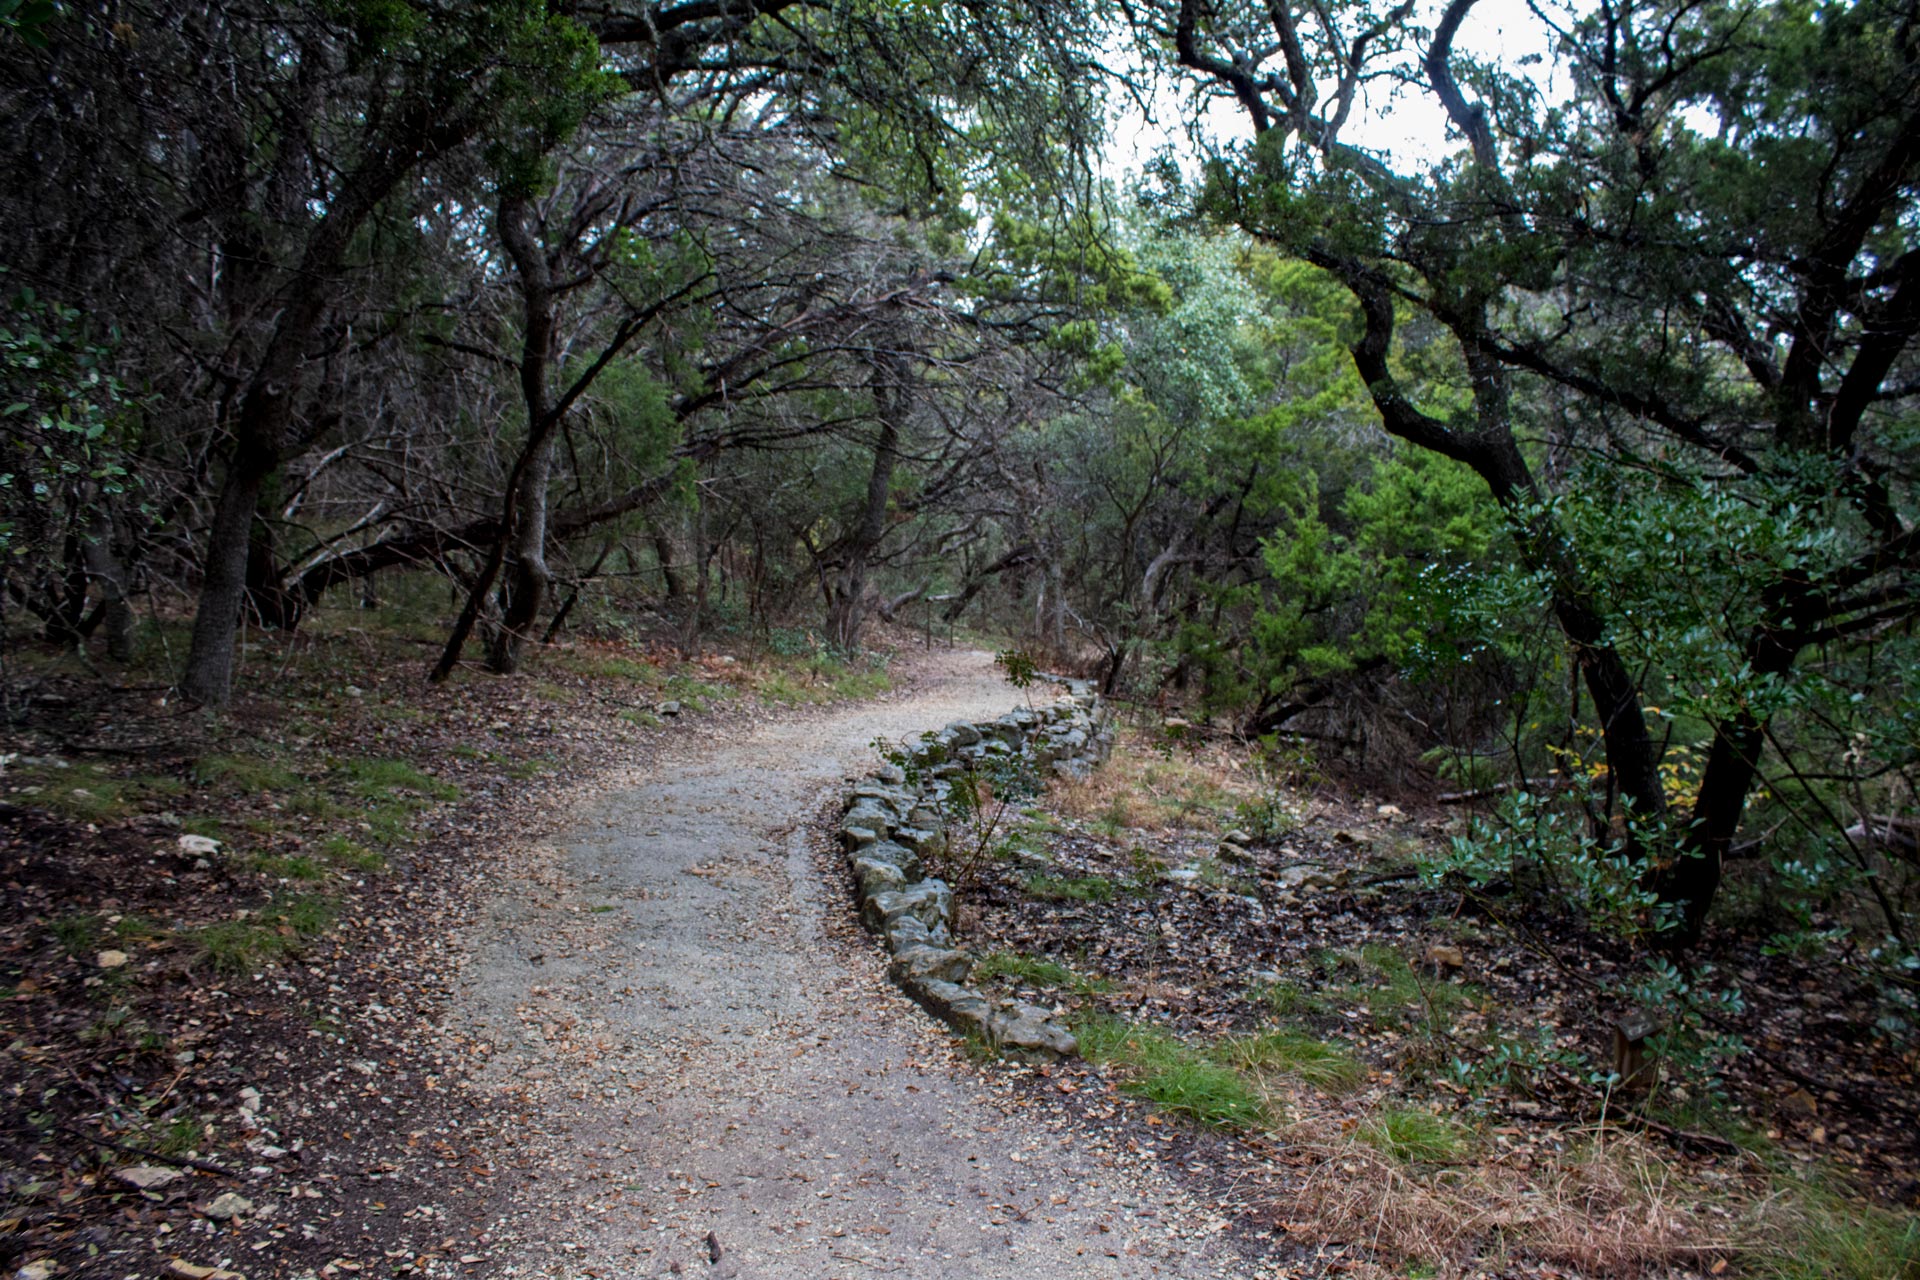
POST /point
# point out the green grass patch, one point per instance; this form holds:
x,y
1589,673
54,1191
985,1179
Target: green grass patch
x,y
1290,999
693,694
781,687
855,685
298,867
246,774
266,938
1070,889
547,691
379,779
199,824
1413,1136
533,768
77,934
175,1137
343,852
138,928
1175,1076
1394,994
81,792
1034,971
1295,1054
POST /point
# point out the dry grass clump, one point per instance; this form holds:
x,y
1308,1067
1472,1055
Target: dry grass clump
x,y
1602,1208
1141,789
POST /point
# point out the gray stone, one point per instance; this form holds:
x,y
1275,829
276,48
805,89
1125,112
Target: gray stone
x,y
227,1205
893,797
870,815
1020,1034
1312,878
148,1177
911,931
923,963
891,773
1234,851
1182,875
961,734
670,708
962,1007
927,843
929,901
857,837
876,877
908,860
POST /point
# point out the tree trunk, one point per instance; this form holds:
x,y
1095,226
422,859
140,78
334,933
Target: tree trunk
x,y
690,633
524,593
116,613
269,601
208,679
673,578
847,607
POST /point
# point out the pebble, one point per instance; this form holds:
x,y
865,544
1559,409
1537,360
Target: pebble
x,y
229,1204
148,1177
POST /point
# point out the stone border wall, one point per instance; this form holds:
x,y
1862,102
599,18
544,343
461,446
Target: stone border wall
x,y
891,829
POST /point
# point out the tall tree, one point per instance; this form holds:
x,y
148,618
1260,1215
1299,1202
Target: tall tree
x,y
1699,267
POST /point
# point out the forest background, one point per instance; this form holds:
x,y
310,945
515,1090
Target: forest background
x,y
1570,473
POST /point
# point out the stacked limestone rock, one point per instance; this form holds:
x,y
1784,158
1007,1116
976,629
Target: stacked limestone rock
x,y
890,829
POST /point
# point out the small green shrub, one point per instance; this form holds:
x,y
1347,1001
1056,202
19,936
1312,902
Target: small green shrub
x,y
378,779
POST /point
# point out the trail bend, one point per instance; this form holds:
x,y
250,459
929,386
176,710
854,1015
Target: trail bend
x,y
695,1054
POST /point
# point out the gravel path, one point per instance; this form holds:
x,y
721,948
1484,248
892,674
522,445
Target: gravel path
x,y
700,1057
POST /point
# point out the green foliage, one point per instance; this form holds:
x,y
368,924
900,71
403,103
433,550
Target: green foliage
x,y
28,20
66,427
1018,666
378,779
1533,838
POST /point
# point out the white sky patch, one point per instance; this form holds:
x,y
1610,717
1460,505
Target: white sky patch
x,y
1408,126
